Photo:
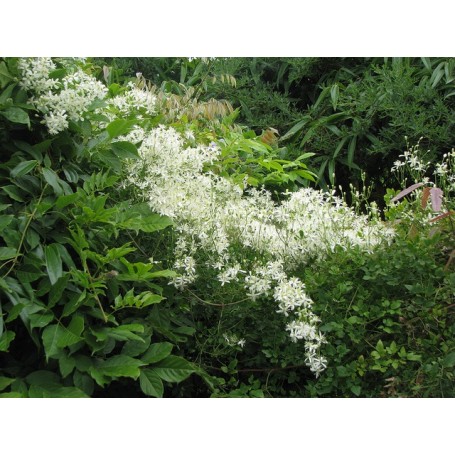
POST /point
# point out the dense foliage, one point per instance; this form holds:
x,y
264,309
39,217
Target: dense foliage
x,y
151,245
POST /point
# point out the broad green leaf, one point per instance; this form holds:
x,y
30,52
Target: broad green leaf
x,y
23,168
42,377
13,192
174,369
162,273
134,348
5,76
6,339
32,238
57,289
50,336
55,391
53,262
53,180
151,384
40,320
149,223
16,115
157,352
5,220
7,93
121,333
356,389
449,360
5,382
120,365
7,253
125,150
83,382
66,365
119,127
66,199
11,395
76,325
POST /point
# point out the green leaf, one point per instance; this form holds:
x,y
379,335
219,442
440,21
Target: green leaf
x,y
5,382
174,369
57,289
5,76
449,360
16,115
157,352
119,127
7,253
55,391
13,192
40,320
11,395
66,365
53,262
120,365
5,340
356,389
125,150
23,168
5,220
296,128
83,382
151,384
42,378
149,223
134,348
334,93
53,180
51,334
66,199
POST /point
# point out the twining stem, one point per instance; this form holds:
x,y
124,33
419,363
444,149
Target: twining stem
x,y
222,305
92,280
30,218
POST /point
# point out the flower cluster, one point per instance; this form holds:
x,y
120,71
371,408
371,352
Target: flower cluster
x,y
62,100
246,237
134,101
214,215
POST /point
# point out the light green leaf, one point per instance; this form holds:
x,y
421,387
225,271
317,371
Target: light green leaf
x,y
53,262
119,127
5,76
5,220
125,150
449,360
53,180
334,93
5,382
120,365
157,352
16,115
50,336
13,192
7,253
174,369
40,320
66,365
5,340
23,168
151,384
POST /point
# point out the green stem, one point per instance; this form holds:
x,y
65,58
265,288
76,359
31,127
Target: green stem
x,y
31,216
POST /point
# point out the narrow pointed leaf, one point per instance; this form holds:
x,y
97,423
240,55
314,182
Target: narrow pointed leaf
x,y
408,190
